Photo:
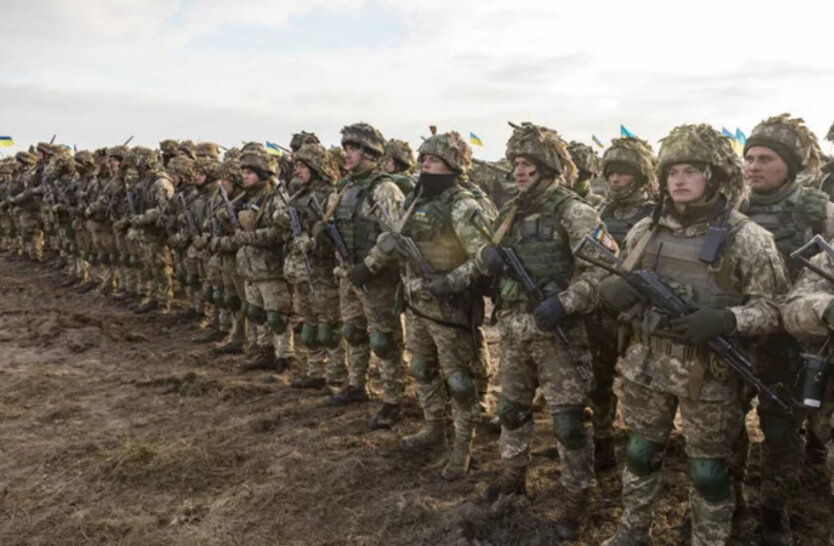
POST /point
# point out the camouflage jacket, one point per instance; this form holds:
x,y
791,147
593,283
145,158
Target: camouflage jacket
x,y
805,304
265,222
156,192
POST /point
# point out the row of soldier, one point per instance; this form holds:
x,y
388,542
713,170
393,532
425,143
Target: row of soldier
x,y
345,249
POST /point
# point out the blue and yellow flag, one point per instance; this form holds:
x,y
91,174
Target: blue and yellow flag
x,y
273,148
741,137
474,140
6,141
625,132
597,141
727,133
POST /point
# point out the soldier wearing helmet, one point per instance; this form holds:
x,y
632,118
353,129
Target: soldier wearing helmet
x,y
168,149
587,170
87,168
8,233
28,202
733,286
542,225
398,161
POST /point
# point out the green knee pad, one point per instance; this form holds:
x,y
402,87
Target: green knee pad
x,y
643,457
512,414
217,297
278,322
231,301
710,478
423,369
193,281
255,313
569,428
328,335
382,344
308,336
354,334
461,387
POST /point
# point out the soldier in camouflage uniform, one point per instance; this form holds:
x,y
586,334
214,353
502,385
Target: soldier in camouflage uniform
x,y
495,179
8,233
808,315
107,208
318,308
27,206
587,169
667,367
628,167
168,149
777,151
61,173
542,225
85,165
134,277
398,161
367,299
443,308
24,161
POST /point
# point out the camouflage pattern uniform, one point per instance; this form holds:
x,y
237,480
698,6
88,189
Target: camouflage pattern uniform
x,y
102,213
401,164
661,374
495,179
8,234
134,276
85,164
27,209
587,169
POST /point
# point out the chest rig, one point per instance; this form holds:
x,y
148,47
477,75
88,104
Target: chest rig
x,y
430,226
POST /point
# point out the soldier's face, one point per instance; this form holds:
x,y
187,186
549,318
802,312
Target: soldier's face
x,y
353,157
249,178
228,186
525,173
686,184
114,165
431,164
302,171
390,165
200,178
765,169
619,181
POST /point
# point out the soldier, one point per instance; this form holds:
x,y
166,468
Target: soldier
x,y
85,165
133,277
61,174
28,205
495,179
732,284
826,183
398,161
168,150
367,299
315,290
541,226
587,169
207,150
808,314
777,151
107,208
628,168
8,234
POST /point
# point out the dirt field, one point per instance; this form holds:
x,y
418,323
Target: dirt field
x,y
118,429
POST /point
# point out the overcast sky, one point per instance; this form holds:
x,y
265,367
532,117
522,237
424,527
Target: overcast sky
x,y
98,71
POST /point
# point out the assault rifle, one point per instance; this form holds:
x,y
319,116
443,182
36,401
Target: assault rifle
x,y
662,298
189,217
230,209
297,230
131,204
334,235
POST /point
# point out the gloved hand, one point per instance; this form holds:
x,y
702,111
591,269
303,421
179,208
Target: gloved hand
x,y
359,274
704,324
303,244
491,260
549,314
813,204
828,316
617,293
320,234
439,286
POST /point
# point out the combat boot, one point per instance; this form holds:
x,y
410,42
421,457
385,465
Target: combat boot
x,y
512,481
574,514
458,464
229,348
776,526
285,363
123,297
348,395
604,455
628,537
86,287
386,416
263,359
150,305
72,281
430,436
308,382
210,336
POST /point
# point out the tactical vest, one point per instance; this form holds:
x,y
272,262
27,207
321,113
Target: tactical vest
x,y
780,220
359,232
308,213
619,227
430,226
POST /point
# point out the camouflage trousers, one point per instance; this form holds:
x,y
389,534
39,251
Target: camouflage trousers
x,y
531,358
195,276
602,338
438,351
270,295
156,259
710,429
319,311
31,231
233,284
374,310
104,247
221,318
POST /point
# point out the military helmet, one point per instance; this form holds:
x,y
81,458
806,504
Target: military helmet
x,y
61,165
364,135
449,147
254,147
260,162
400,151
119,152
183,166
230,170
7,165
207,149
338,156
169,146
84,161
701,144
634,153
542,145
316,157
46,149
300,139
791,139
209,167
830,136
584,157
187,148
26,158
231,153
143,158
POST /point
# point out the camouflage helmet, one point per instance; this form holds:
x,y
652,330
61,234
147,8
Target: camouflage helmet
x,y
45,148
169,146
300,139
183,166
26,158
260,162
316,157
400,151
143,158
230,170
254,147
635,153
830,136
7,165
207,149
364,135
543,145
119,152
791,139
187,148
702,144
209,167
231,153
338,156
61,165
449,147
584,157
84,161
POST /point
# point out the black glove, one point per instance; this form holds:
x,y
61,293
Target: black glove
x,y
359,274
549,314
828,316
491,260
704,324
440,287
617,293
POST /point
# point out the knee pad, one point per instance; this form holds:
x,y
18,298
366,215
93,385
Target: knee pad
x,y
710,478
569,429
512,414
255,313
231,301
308,335
328,335
643,457
461,387
382,344
217,298
354,334
423,369
278,322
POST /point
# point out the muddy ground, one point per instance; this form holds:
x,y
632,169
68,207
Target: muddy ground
x,y
119,429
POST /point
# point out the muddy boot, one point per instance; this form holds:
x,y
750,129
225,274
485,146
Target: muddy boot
x,y
574,515
285,363
307,382
386,416
72,281
776,527
120,297
604,454
230,348
146,308
430,436
210,336
348,395
513,480
263,359
628,537
86,287
458,463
